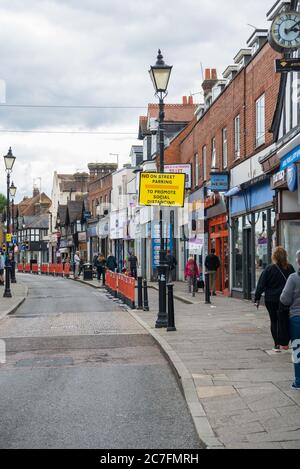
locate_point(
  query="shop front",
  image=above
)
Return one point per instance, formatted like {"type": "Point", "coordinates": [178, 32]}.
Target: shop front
{"type": "Point", "coordinates": [288, 198]}
{"type": "Point", "coordinates": [253, 234]}
{"type": "Point", "coordinates": [218, 237]}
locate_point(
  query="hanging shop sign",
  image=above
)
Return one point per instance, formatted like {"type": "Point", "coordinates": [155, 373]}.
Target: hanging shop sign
{"type": "Point", "coordinates": [181, 169]}
{"type": "Point", "coordinates": [162, 189]}
{"type": "Point", "coordinates": [287, 65]}
{"type": "Point", "coordinates": [279, 180]}
{"type": "Point", "coordinates": [212, 200]}
{"type": "Point", "coordinates": [292, 178]}
{"type": "Point", "coordinates": [196, 245]}
{"type": "Point", "coordinates": [291, 158]}
{"type": "Point", "coordinates": [219, 182]}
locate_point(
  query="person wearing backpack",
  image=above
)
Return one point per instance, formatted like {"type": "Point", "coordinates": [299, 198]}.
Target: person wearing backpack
{"type": "Point", "coordinates": [272, 282]}
{"type": "Point", "coordinates": [171, 263]}
{"type": "Point", "coordinates": [290, 297]}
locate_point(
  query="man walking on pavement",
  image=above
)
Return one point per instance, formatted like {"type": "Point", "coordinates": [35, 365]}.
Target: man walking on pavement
{"type": "Point", "coordinates": [77, 261]}
{"type": "Point", "coordinates": [133, 265]}
{"type": "Point", "coordinates": [172, 263]}
{"type": "Point", "coordinates": [212, 264]}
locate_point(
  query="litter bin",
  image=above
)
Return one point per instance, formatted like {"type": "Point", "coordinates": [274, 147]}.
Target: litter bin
{"type": "Point", "coordinates": [87, 272]}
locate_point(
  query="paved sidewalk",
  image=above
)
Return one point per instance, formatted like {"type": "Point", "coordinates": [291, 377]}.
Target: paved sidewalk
{"type": "Point", "coordinates": [223, 356]}
{"type": "Point", "coordinates": [9, 305]}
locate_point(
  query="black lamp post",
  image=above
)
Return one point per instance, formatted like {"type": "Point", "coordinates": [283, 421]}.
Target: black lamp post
{"type": "Point", "coordinates": [9, 161]}
{"type": "Point", "coordinates": [160, 75]}
{"type": "Point", "coordinates": [13, 191]}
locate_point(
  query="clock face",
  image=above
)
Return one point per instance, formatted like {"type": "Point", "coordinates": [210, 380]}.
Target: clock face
{"type": "Point", "coordinates": [285, 31]}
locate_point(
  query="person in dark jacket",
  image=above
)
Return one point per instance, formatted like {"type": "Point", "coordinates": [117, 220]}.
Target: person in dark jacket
{"type": "Point", "coordinates": [290, 297]}
{"type": "Point", "coordinates": [111, 263]}
{"type": "Point", "coordinates": [272, 282]}
{"type": "Point", "coordinates": [212, 264]}
{"type": "Point", "coordinates": [133, 265]}
{"type": "Point", "coordinates": [101, 266]}
{"type": "Point", "coordinates": [171, 263]}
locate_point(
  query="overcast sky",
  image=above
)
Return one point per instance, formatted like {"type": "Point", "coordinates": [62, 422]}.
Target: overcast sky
{"type": "Point", "coordinates": [97, 52]}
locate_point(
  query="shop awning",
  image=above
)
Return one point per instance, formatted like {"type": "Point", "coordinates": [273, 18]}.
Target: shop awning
{"type": "Point", "coordinates": [234, 191]}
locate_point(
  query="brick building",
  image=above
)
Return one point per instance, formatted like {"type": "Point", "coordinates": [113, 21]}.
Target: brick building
{"type": "Point", "coordinates": [99, 200]}
{"type": "Point", "coordinates": [224, 143]}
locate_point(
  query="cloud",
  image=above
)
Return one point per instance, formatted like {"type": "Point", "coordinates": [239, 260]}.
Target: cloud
{"type": "Point", "coordinates": [98, 53]}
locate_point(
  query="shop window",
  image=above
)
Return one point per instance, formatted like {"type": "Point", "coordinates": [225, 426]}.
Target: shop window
{"type": "Point", "coordinates": [225, 148]}
{"type": "Point", "coordinates": [290, 239]}
{"type": "Point", "coordinates": [237, 137]}
{"type": "Point", "coordinates": [261, 244]}
{"type": "Point", "coordinates": [213, 154]}
{"type": "Point", "coordinates": [204, 162]}
{"type": "Point", "coordinates": [260, 121]}
{"type": "Point", "coordinates": [238, 253]}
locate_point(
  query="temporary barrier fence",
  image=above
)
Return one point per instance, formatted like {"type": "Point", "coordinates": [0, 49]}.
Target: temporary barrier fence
{"type": "Point", "coordinates": [122, 287]}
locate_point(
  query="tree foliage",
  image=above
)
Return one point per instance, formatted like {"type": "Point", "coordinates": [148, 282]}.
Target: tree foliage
{"type": "Point", "coordinates": [2, 202]}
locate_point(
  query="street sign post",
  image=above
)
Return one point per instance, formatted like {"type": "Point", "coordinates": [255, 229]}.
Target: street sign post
{"type": "Point", "coordinates": [162, 189]}
{"type": "Point", "coordinates": [287, 65]}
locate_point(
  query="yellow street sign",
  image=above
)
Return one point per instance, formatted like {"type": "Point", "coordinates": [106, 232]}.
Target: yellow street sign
{"type": "Point", "coordinates": [162, 189]}
{"type": "Point", "coordinates": [8, 238]}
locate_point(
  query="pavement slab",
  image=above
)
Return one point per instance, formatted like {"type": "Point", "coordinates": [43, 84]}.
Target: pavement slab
{"type": "Point", "coordinates": [242, 389]}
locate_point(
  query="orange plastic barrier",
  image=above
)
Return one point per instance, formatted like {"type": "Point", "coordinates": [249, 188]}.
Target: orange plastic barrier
{"type": "Point", "coordinates": [44, 269]}
{"type": "Point", "coordinates": [59, 269]}
{"type": "Point", "coordinates": [20, 268]}
{"type": "Point", "coordinates": [67, 270]}
{"type": "Point", "coordinates": [35, 269]}
{"type": "Point", "coordinates": [122, 287]}
{"type": "Point", "coordinates": [51, 269]}
{"type": "Point", "coordinates": [27, 268]}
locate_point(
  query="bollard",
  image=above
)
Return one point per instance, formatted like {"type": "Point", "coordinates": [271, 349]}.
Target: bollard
{"type": "Point", "coordinates": [146, 300]}
{"type": "Point", "coordinates": [207, 290]}
{"type": "Point", "coordinates": [140, 293]}
{"type": "Point", "coordinates": [171, 313]}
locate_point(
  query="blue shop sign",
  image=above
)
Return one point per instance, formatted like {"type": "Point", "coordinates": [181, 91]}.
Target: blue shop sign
{"type": "Point", "coordinates": [219, 182]}
{"type": "Point", "coordinates": [292, 178]}
{"type": "Point", "coordinates": [291, 158]}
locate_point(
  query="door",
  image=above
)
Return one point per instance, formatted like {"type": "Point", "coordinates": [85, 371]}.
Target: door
{"type": "Point", "coordinates": [247, 263]}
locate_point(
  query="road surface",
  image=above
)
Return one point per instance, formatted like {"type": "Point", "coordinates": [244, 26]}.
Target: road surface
{"type": "Point", "coordinates": [81, 373]}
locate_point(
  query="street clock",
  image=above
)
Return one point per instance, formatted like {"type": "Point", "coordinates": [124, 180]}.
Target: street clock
{"type": "Point", "coordinates": [284, 34]}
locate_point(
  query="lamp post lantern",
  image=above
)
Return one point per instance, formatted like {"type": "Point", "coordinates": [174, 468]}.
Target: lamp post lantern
{"type": "Point", "coordinates": [9, 161]}
{"type": "Point", "coordinates": [13, 191]}
{"type": "Point", "coordinates": [160, 75]}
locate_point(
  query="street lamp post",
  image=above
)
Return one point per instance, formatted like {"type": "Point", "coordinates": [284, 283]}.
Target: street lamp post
{"type": "Point", "coordinates": [9, 161]}
{"type": "Point", "coordinates": [13, 191]}
{"type": "Point", "coordinates": [160, 75]}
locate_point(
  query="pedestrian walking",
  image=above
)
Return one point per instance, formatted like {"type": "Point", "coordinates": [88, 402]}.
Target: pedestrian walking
{"type": "Point", "coordinates": [2, 264]}
{"type": "Point", "coordinates": [212, 264]}
{"type": "Point", "coordinates": [111, 263]}
{"type": "Point", "coordinates": [272, 282]}
{"type": "Point", "coordinates": [191, 273]}
{"type": "Point", "coordinates": [171, 262]}
{"type": "Point", "coordinates": [77, 262]}
{"type": "Point", "coordinates": [133, 265]}
{"type": "Point", "coordinates": [290, 297]}
{"type": "Point", "coordinates": [101, 267]}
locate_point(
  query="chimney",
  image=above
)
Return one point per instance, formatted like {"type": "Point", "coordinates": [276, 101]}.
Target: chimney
{"type": "Point", "coordinates": [35, 191]}
{"type": "Point", "coordinates": [191, 101]}
{"type": "Point", "coordinates": [184, 100]}
{"type": "Point", "coordinates": [210, 81]}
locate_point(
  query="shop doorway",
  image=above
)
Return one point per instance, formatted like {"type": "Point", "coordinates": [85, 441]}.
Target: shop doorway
{"type": "Point", "coordinates": [247, 259]}
{"type": "Point", "coordinates": [219, 240]}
